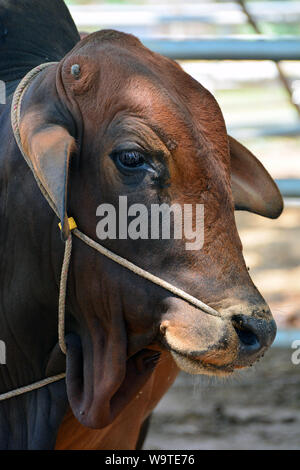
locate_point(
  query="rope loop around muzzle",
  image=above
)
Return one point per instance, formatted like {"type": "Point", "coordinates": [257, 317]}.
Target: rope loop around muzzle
{"type": "Point", "coordinates": [15, 119]}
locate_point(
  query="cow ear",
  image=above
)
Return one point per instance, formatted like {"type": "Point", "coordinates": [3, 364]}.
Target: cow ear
{"type": "Point", "coordinates": [253, 188]}
{"type": "Point", "coordinates": [49, 149]}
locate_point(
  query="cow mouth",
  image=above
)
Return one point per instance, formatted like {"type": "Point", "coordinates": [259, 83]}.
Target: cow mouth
{"type": "Point", "coordinates": [197, 366]}
{"type": "Point", "coordinates": [97, 395]}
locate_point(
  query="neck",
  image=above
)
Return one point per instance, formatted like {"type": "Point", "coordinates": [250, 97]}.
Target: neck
{"type": "Point", "coordinates": [30, 258]}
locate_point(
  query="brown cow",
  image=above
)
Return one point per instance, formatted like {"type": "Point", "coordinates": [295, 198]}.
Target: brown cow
{"type": "Point", "coordinates": [133, 123]}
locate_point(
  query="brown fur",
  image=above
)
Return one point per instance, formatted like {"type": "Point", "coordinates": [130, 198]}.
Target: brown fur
{"type": "Point", "coordinates": [123, 433]}
{"type": "Point", "coordinates": [125, 92]}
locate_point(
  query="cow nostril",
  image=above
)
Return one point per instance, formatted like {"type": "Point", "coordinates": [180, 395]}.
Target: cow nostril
{"type": "Point", "coordinates": [255, 336]}
{"type": "Point", "coordinates": [246, 336]}
{"type": "Point", "coordinates": [249, 340]}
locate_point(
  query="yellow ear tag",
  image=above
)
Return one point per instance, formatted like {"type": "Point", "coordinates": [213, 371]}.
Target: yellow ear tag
{"type": "Point", "coordinates": [72, 224]}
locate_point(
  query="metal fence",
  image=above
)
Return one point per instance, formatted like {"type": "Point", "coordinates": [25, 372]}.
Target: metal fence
{"type": "Point", "coordinates": [225, 48]}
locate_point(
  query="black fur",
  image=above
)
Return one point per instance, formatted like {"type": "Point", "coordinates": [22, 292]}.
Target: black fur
{"type": "Point", "coordinates": [32, 32]}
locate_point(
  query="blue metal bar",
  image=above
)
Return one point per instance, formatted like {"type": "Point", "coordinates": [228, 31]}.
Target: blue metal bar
{"type": "Point", "coordinates": [289, 187]}
{"type": "Point", "coordinates": [227, 48]}
{"type": "Point", "coordinates": [246, 131]}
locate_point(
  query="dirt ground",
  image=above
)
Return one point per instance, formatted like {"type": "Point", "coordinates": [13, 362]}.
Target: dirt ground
{"type": "Point", "coordinates": [272, 252]}
{"type": "Point", "coordinates": [259, 408]}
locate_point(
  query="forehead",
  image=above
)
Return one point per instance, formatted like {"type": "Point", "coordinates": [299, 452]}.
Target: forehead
{"type": "Point", "coordinates": [184, 115]}
{"type": "Point", "coordinates": [122, 75]}
{"type": "Point", "coordinates": [176, 107]}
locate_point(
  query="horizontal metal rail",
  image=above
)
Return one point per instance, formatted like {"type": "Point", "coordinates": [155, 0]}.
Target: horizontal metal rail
{"type": "Point", "coordinates": [249, 131]}
{"type": "Point", "coordinates": [262, 48]}
{"type": "Point", "coordinates": [289, 188]}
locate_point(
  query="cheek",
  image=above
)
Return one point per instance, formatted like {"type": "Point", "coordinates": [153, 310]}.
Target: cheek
{"type": "Point", "coordinates": [139, 304]}
{"type": "Point", "coordinates": [142, 319]}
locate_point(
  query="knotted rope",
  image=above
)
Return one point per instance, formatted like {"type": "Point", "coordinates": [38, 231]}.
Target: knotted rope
{"type": "Point", "coordinates": [15, 119]}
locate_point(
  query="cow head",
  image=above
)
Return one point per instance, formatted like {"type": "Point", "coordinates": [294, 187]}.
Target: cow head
{"type": "Point", "coordinates": [115, 119]}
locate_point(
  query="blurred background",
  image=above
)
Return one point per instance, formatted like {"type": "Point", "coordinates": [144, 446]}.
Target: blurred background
{"type": "Point", "coordinates": [247, 53]}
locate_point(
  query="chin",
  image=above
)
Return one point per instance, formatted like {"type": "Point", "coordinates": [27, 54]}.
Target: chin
{"type": "Point", "coordinates": [195, 366]}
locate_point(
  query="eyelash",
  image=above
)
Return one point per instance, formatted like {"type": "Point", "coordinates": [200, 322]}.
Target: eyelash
{"type": "Point", "coordinates": [131, 158]}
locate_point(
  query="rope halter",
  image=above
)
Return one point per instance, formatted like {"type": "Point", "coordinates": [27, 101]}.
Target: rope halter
{"type": "Point", "coordinates": [15, 120]}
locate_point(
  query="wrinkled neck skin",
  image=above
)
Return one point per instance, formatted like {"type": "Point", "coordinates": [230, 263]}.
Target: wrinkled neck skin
{"type": "Point", "coordinates": [30, 258]}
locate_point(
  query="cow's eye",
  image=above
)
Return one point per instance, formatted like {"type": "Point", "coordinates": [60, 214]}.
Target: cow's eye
{"type": "Point", "coordinates": [129, 159]}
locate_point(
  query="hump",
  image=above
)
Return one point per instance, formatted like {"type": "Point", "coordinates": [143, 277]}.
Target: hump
{"type": "Point", "coordinates": [32, 32]}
